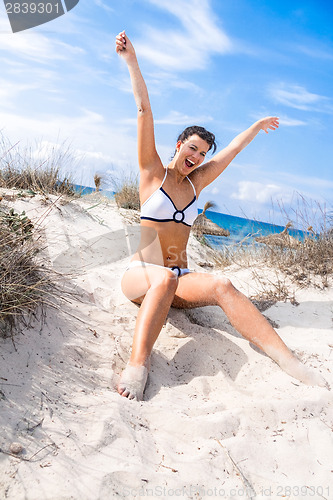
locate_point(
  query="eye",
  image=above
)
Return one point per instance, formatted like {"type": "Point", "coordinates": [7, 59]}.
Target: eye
{"type": "Point", "coordinates": [203, 154]}
{"type": "Point", "coordinates": [192, 147]}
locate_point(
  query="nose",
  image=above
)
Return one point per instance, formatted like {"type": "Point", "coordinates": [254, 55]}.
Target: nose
{"type": "Point", "coordinates": [198, 157]}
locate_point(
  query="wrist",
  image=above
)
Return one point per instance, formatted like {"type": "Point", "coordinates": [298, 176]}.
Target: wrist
{"type": "Point", "coordinates": [259, 122]}
{"type": "Point", "coordinates": [132, 61]}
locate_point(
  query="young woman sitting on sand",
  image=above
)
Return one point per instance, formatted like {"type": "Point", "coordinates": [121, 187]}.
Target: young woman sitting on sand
{"type": "Point", "coordinates": [157, 276]}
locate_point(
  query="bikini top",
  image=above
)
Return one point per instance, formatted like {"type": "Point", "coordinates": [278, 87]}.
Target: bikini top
{"type": "Point", "coordinates": [160, 207]}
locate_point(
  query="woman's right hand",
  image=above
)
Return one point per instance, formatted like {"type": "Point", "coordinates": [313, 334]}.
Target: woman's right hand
{"type": "Point", "coordinates": [124, 47]}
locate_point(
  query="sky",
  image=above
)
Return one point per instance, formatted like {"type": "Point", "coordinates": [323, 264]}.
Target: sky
{"type": "Point", "coordinates": [221, 64]}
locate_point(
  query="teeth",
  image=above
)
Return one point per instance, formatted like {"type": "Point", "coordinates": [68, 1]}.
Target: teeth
{"type": "Point", "coordinates": [192, 162]}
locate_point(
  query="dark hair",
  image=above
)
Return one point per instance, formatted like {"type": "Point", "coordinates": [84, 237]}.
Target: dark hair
{"type": "Point", "coordinates": [202, 133]}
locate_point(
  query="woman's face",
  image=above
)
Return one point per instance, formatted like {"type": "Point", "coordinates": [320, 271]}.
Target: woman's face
{"type": "Point", "coordinates": [191, 153]}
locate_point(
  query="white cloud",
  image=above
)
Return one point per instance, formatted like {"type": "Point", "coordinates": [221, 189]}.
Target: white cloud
{"type": "Point", "coordinates": [103, 5]}
{"type": "Point", "coordinates": [257, 192]}
{"type": "Point", "coordinates": [291, 122]}
{"type": "Point", "coordinates": [10, 90]}
{"type": "Point", "coordinates": [33, 46]}
{"type": "Point", "coordinates": [320, 184]}
{"type": "Point", "coordinates": [284, 120]}
{"type": "Point", "coordinates": [177, 118]}
{"type": "Point", "coordinates": [158, 81]}
{"type": "Point", "coordinates": [190, 46]}
{"type": "Point", "coordinates": [255, 196]}
{"type": "Point", "coordinates": [316, 53]}
{"type": "Point", "coordinates": [296, 96]}
{"type": "Point", "coordinates": [173, 118]}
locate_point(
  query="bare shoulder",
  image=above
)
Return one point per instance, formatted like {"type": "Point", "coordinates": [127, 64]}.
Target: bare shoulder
{"type": "Point", "coordinates": [150, 179]}
{"type": "Point", "coordinates": [152, 170]}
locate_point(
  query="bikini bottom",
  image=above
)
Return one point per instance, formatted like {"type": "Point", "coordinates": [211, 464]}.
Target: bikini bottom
{"type": "Point", "coordinates": [178, 271]}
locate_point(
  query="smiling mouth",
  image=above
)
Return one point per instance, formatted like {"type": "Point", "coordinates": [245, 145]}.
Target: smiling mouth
{"type": "Point", "coordinates": [189, 163]}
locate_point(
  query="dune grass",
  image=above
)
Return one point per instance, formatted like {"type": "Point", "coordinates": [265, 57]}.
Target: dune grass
{"type": "Point", "coordinates": [310, 263]}
{"type": "Point", "coordinates": [27, 285]}
{"type": "Point", "coordinates": [37, 170]}
{"type": "Point", "coordinates": [126, 188]}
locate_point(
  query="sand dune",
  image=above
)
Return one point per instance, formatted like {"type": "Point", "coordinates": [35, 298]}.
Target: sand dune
{"type": "Point", "coordinates": [219, 418]}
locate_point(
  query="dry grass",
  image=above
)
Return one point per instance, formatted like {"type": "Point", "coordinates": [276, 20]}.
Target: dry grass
{"type": "Point", "coordinates": [126, 187]}
{"type": "Point", "coordinates": [310, 263]}
{"type": "Point", "coordinates": [97, 181]}
{"type": "Point", "coordinates": [26, 284]}
{"type": "Point", "coordinates": [37, 170]}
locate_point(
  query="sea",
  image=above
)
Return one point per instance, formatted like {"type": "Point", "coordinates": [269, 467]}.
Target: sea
{"type": "Point", "coordinates": [243, 231]}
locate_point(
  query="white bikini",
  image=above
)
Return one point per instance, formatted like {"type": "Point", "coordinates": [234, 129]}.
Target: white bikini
{"type": "Point", "coordinates": [160, 207]}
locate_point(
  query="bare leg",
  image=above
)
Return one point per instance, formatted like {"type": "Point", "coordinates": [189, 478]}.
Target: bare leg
{"type": "Point", "coordinates": [203, 289]}
{"type": "Point", "coordinates": [154, 289]}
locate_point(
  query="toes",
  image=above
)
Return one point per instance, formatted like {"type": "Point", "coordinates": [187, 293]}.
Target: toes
{"type": "Point", "coordinates": [122, 390]}
{"type": "Point", "coordinates": [133, 381]}
{"type": "Point", "coordinates": [126, 393]}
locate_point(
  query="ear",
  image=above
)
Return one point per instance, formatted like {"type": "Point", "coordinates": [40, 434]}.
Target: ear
{"type": "Point", "coordinates": [178, 146]}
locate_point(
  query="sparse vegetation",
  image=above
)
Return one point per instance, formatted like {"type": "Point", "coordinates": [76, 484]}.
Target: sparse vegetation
{"type": "Point", "coordinates": [25, 283]}
{"type": "Point", "coordinates": [97, 181]}
{"type": "Point", "coordinates": [36, 170]}
{"type": "Point", "coordinates": [279, 268]}
{"type": "Point", "coordinates": [126, 187]}
{"type": "Point", "coordinates": [309, 263]}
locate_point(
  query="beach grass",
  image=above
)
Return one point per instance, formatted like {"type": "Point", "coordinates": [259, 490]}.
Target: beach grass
{"type": "Point", "coordinates": [36, 170]}
{"type": "Point", "coordinates": [26, 283]}
{"type": "Point", "coordinates": [126, 187]}
{"type": "Point", "coordinates": [310, 263]}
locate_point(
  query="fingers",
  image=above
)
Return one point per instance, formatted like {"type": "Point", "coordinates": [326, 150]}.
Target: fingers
{"type": "Point", "coordinates": [121, 42]}
{"type": "Point", "coordinates": [271, 123]}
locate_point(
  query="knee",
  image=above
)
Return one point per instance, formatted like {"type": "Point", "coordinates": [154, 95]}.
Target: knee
{"type": "Point", "coordinates": [168, 282]}
{"type": "Point", "coordinates": [223, 288]}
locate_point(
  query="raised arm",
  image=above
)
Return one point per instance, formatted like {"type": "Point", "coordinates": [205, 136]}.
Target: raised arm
{"type": "Point", "coordinates": [214, 167]}
{"type": "Point", "coordinates": [147, 154]}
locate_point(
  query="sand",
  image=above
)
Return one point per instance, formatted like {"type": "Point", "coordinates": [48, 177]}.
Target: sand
{"type": "Point", "coordinates": [219, 418]}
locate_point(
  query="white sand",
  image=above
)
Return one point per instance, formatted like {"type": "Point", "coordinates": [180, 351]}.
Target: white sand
{"type": "Point", "coordinates": [219, 419]}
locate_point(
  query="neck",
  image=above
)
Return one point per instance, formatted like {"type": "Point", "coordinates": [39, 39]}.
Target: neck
{"type": "Point", "coordinates": [172, 167]}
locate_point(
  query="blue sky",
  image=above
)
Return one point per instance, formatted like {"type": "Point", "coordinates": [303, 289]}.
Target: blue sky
{"type": "Point", "coordinates": [221, 64]}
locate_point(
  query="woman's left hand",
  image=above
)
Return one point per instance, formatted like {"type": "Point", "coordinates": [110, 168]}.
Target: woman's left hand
{"type": "Point", "coordinates": [269, 123]}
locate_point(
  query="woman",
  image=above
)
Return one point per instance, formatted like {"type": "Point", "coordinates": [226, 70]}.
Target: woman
{"type": "Point", "coordinates": [158, 277]}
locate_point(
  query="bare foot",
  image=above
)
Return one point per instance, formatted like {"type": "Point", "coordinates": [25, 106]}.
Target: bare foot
{"type": "Point", "coordinates": [133, 381]}
{"type": "Point", "coordinates": [296, 369]}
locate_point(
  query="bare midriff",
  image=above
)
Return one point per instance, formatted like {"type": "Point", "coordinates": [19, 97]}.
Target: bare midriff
{"type": "Point", "coordinates": [163, 243]}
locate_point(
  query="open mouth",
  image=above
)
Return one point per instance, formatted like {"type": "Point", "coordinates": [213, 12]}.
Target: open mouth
{"type": "Point", "coordinates": [189, 163]}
